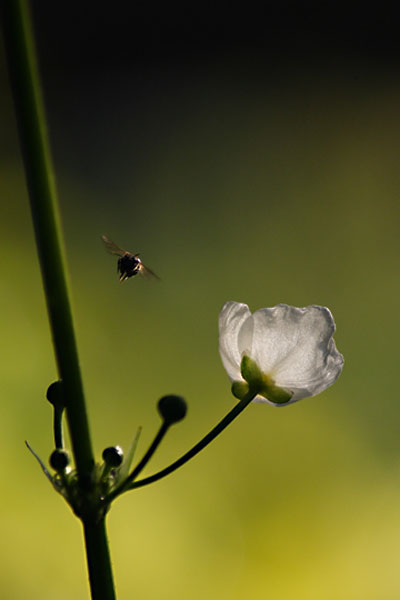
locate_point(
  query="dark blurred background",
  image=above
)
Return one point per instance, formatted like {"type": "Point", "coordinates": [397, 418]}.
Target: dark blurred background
{"type": "Point", "coordinates": [249, 154]}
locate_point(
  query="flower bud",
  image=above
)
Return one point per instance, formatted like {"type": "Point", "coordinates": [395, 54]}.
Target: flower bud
{"type": "Point", "coordinates": [172, 408]}
{"type": "Point", "coordinates": [55, 394]}
{"type": "Point", "coordinates": [113, 456]}
{"type": "Point", "coordinates": [59, 460]}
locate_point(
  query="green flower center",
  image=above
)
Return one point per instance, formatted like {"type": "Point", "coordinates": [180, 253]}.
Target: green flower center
{"type": "Point", "coordinates": [259, 383]}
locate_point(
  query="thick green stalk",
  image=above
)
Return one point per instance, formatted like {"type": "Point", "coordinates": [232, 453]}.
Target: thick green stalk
{"type": "Point", "coordinates": [42, 193]}
{"type": "Point", "coordinates": [43, 198]}
{"type": "Point", "coordinates": [98, 560]}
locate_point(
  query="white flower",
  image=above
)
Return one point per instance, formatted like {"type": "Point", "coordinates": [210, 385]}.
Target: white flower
{"type": "Point", "coordinates": [282, 353]}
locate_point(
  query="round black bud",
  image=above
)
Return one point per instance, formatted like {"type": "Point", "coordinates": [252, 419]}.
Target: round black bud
{"type": "Point", "coordinates": [113, 456]}
{"type": "Point", "coordinates": [59, 460]}
{"type": "Point", "coordinates": [172, 408]}
{"type": "Point", "coordinates": [55, 394]}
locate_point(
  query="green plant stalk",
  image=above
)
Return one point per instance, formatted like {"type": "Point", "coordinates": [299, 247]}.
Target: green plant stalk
{"type": "Point", "coordinates": [31, 121]}
{"type": "Point", "coordinates": [98, 560]}
{"type": "Point", "coordinates": [43, 199]}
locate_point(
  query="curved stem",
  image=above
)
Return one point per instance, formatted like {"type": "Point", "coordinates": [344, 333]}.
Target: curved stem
{"type": "Point", "coordinates": [153, 447]}
{"type": "Point", "coordinates": [200, 445]}
{"type": "Point", "coordinates": [31, 121]}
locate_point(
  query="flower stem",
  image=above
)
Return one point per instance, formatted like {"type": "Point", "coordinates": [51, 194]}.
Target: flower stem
{"type": "Point", "coordinates": [31, 121]}
{"type": "Point", "coordinates": [141, 464]}
{"type": "Point", "coordinates": [238, 408]}
{"type": "Point", "coordinates": [43, 198]}
{"type": "Point", "coordinates": [57, 427]}
{"type": "Point", "coordinates": [98, 560]}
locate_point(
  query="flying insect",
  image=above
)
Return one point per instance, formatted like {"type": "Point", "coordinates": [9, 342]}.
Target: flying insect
{"type": "Point", "coordinates": [128, 264]}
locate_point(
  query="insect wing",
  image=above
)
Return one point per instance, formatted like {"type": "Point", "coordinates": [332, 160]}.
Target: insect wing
{"type": "Point", "coordinates": [147, 273]}
{"type": "Point", "coordinates": [112, 247]}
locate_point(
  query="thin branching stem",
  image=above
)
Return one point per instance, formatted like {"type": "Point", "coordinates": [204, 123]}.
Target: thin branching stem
{"type": "Point", "coordinates": [142, 463]}
{"type": "Point", "coordinates": [237, 409]}
{"type": "Point", "coordinates": [57, 427]}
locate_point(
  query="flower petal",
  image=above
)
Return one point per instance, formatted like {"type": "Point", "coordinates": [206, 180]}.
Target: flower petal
{"type": "Point", "coordinates": [295, 346]}
{"type": "Point", "coordinates": [231, 319]}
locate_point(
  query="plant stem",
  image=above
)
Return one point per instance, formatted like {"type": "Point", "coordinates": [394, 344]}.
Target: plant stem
{"type": "Point", "coordinates": [98, 560]}
{"type": "Point", "coordinates": [236, 410]}
{"type": "Point", "coordinates": [43, 198]}
{"type": "Point", "coordinates": [57, 427]}
{"type": "Point", "coordinates": [31, 121]}
{"type": "Point", "coordinates": [142, 463]}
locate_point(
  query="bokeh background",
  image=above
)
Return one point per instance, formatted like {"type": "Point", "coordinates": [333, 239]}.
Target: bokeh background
{"type": "Point", "coordinates": [250, 157]}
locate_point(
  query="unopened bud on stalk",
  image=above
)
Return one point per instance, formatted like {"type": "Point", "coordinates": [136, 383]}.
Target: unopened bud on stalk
{"type": "Point", "coordinates": [59, 460]}
{"type": "Point", "coordinates": [172, 408]}
{"type": "Point", "coordinates": [55, 394]}
{"type": "Point", "coordinates": [113, 456]}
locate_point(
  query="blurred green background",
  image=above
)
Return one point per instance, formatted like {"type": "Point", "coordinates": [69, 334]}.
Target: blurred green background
{"type": "Point", "coordinates": [239, 174]}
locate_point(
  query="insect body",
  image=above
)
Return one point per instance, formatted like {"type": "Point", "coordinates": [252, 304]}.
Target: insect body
{"type": "Point", "coordinates": [128, 264]}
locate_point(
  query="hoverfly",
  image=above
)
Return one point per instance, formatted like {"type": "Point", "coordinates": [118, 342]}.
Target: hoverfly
{"type": "Point", "coordinates": [128, 264]}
